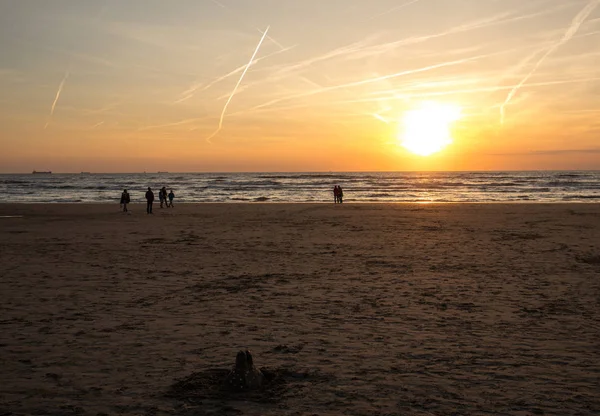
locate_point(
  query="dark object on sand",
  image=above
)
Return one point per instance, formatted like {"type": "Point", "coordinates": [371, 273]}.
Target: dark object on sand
{"type": "Point", "coordinates": [243, 382]}
{"type": "Point", "coordinates": [244, 376]}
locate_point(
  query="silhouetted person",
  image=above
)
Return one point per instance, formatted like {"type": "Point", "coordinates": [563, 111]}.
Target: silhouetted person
{"type": "Point", "coordinates": [340, 194]}
{"type": "Point", "coordinates": [161, 197]}
{"type": "Point", "coordinates": [335, 194]}
{"type": "Point", "coordinates": [125, 200]}
{"type": "Point", "coordinates": [171, 196]}
{"type": "Point", "coordinates": [149, 200]}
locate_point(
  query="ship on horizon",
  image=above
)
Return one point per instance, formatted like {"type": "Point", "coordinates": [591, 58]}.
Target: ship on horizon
{"type": "Point", "coordinates": [41, 172]}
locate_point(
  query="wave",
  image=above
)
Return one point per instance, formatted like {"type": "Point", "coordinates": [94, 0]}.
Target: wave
{"type": "Point", "coordinates": [315, 187]}
{"type": "Point", "coordinates": [382, 195]}
{"type": "Point", "coordinates": [571, 175]}
{"type": "Point", "coordinates": [575, 197]}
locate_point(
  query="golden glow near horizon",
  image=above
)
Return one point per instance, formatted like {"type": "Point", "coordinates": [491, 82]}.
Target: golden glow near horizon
{"type": "Point", "coordinates": [427, 127]}
{"type": "Point", "coordinates": [141, 85]}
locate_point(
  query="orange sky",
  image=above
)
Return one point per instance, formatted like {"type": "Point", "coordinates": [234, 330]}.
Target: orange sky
{"type": "Point", "coordinates": [144, 85]}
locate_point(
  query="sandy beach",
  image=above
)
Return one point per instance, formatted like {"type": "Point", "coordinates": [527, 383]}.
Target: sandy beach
{"type": "Point", "coordinates": [371, 309]}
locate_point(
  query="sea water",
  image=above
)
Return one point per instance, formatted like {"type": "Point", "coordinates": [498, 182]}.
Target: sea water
{"type": "Point", "coordinates": [529, 186]}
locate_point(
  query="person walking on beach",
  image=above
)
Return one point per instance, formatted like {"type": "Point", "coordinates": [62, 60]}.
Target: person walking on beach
{"type": "Point", "coordinates": [125, 200]}
{"type": "Point", "coordinates": [161, 197]}
{"type": "Point", "coordinates": [149, 200]}
{"type": "Point", "coordinates": [171, 196]}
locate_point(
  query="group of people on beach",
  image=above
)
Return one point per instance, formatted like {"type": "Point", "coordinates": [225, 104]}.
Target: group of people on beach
{"type": "Point", "coordinates": [164, 198]}
{"type": "Point", "coordinates": [167, 199]}
{"type": "Point", "coordinates": [338, 194]}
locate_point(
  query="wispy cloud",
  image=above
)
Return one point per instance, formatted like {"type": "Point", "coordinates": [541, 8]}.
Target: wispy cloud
{"type": "Point", "coordinates": [556, 152]}
{"type": "Point", "coordinates": [372, 80]}
{"type": "Point", "coordinates": [365, 48]}
{"type": "Point", "coordinates": [569, 33]}
{"type": "Point", "coordinates": [496, 20]}
{"type": "Point", "coordinates": [395, 95]}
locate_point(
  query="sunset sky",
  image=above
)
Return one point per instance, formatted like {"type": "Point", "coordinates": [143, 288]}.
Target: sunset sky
{"type": "Point", "coordinates": [141, 85]}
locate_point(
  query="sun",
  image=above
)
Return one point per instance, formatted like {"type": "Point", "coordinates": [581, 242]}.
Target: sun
{"type": "Point", "coordinates": [427, 127]}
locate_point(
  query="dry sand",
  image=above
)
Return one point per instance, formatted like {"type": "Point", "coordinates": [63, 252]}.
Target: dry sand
{"type": "Point", "coordinates": [371, 309]}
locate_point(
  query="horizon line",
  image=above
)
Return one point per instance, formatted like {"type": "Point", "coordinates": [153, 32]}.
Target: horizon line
{"type": "Point", "coordinates": [298, 172]}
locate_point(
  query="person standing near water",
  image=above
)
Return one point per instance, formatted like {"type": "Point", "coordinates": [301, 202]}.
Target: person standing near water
{"type": "Point", "coordinates": [125, 200]}
{"type": "Point", "coordinates": [149, 200]}
{"type": "Point", "coordinates": [171, 196]}
{"type": "Point", "coordinates": [161, 197]}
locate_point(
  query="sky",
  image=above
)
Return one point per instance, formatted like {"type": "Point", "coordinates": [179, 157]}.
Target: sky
{"type": "Point", "coordinates": [296, 85]}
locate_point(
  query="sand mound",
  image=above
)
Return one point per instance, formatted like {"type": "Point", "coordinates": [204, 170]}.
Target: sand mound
{"type": "Point", "coordinates": [210, 385]}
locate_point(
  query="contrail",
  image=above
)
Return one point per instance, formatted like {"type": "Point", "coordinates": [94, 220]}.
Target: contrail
{"type": "Point", "coordinates": [279, 45]}
{"type": "Point", "coordinates": [393, 9]}
{"type": "Point", "coordinates": [237, 85]}
{"type": "Point", "coordinates": [60, 88]}
{"type": "Point", "coordinates": [571, 31]}
{"type": "Point", "coordinates": [219, 4]}
{"type": "Point", "coordinates": [370, 80]}
{"type": "Point", "coordinates": [393, 94]}
{"type": "Point", "coordinates": [189, 93]}
{"type": "Point", "coordinates": [380, 118]}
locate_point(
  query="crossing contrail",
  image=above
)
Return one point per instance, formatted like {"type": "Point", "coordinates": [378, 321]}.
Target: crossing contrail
{"type": "Point", "coordinates": [369, 81]}
{"type": "Point", "coordinates": [60, 88]}
{"type": "Point", "coordinates": [237, 85]}
{"type": "Point", "coordinates": [570, 32]}
{"type": "Point", "coordinates": [189, 93]}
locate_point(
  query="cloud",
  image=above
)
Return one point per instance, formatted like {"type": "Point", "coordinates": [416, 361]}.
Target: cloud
{"type": "Point", "coordinates": [569, 33]}
{"type": "Point", "coordinates": [558, 152]}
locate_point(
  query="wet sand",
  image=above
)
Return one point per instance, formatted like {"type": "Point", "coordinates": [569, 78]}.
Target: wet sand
{"type": "Point", "coordinates": [399, 309]}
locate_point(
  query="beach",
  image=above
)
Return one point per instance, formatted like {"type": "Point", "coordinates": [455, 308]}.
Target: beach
{"type": "Point", "coordinates": [372, 309]}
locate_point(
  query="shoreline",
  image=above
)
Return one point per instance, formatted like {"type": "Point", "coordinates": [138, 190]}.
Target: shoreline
{"type": "Point", "coordinates": [138, 203]}
{"type": "Point", "coordinates": [18, 209]}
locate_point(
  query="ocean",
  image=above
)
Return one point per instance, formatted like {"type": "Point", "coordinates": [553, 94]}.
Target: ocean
{"type": "Point", "coordinates": [529, 186]}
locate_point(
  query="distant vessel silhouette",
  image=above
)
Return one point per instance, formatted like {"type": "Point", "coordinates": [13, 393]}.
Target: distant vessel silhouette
{"type": "Point", "coordinates": [41, 172]}
{"type": "Point", "coordinates": [160, 171]}
{"type": "Point", "coordinates": [84, 173]}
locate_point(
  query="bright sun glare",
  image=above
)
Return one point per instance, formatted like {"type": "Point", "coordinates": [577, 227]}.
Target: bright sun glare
{"type": "Point", "coordinates": [427, 128]}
